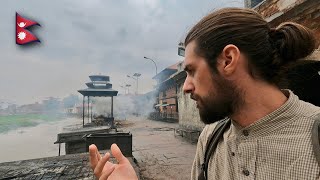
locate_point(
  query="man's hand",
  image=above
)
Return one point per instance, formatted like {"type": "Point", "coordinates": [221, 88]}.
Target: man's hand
{"type": "Point", "coordinates": [103, 169]}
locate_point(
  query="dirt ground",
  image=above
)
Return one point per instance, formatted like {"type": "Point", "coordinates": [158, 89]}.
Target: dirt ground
{"type": "Point", "coordinates": [159, 154]}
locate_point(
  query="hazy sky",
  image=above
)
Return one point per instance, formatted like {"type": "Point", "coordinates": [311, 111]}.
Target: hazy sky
{"type": "Point", "coordinates": [85, 37]}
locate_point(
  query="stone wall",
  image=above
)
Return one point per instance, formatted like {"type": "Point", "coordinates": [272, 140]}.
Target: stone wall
{"type": "Point", "coordinates": [188, 112]}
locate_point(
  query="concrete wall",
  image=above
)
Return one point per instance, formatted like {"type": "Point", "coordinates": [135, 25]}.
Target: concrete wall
{"type": "Point", "coordinates": [188, 113]}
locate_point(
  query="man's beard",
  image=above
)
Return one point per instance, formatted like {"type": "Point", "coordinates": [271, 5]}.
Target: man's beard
{"type": "Point", "coordinates": [219, 104]}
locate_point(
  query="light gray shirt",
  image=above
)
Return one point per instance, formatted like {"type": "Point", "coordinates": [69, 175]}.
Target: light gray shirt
{"type": "Point", "coordinates": [278, 146]}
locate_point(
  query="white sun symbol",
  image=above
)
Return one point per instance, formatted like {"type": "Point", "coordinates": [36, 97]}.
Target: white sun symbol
{"type": "Point", "coordinates": [22, 35]}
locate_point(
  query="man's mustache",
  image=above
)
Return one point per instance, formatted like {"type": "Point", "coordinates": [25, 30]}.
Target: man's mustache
{"type": "Point", "coordinates": [194, 97]}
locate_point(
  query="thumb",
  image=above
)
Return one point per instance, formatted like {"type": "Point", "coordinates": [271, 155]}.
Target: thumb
{"type": "Point", "coordinates": [116, 152]}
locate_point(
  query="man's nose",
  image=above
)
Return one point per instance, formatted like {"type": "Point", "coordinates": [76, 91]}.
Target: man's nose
{"type": "Point", "coordinates": [187, 86]}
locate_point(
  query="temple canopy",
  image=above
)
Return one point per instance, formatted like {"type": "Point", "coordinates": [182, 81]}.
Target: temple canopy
{"type": "Point", "coordinates": [98, 87]}
{"type": "Point", "coordinates": [98, 92]}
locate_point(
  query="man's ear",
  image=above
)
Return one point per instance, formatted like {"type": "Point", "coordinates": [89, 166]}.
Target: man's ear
{"type": "Point", "coordinates": [228, 59]}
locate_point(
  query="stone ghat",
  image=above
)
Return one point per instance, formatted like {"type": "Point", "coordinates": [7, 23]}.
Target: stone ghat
{"type": "Point", "coordinates": [73, 166]}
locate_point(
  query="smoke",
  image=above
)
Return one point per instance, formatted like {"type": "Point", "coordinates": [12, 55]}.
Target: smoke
{"type": "Point", "coordinates": [125, 105]}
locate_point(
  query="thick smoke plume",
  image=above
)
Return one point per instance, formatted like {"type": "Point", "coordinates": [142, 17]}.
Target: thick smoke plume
{"type": "Point", "coordinates": [124, 105]}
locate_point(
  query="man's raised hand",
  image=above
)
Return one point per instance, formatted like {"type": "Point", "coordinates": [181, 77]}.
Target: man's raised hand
{"type": "Point", "coordinates": [103, 169]}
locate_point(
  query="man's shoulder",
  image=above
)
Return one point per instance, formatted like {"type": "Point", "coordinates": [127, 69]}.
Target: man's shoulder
{"type": "Point", "coordinates": [308, 110]}
{"type": "Point", "coordinates": [207, 131]}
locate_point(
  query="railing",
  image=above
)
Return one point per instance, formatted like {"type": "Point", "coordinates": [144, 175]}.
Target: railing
{"type": "Point", "coordinates": [164, 116]}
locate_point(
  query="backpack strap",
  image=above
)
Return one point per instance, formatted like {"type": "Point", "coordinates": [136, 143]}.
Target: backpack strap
{"type": "Point", "coordinates": [315, 138]}
{"type": "Point", "coordinates": [212, 145]}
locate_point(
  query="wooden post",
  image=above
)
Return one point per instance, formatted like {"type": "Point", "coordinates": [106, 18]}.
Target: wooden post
{"type": "Point", "coordinates": [59, 148]}
{"type": "Point", "coordinates": [91, 112]}
{"type": "Point", "coordinates": [88, 109]}
{"type": "Point", "coordinates": [112, 106]}
{"type": "Point", "coordinates": [176, 99]}
{"type": "Point", "coordinates": [83, 112]}
{"type": "Point", "coordinates": [112, 123]}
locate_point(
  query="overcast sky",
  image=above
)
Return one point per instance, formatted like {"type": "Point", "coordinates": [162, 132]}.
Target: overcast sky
{"type": "Point", "coordinates": [85, 37]}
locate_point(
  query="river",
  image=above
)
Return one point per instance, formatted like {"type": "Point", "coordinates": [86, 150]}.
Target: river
{"type": "Point", "coordinates": [33, 142]}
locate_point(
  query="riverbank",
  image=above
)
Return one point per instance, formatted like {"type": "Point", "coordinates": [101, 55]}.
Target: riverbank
{"type": "Point", "coordinates": [13, 122]}
{"type": "Point", "coordinates": [33, 142]}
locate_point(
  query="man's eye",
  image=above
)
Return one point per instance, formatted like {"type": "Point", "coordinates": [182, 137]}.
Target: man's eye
{"type": "Point", "coordinates": [191, 72]}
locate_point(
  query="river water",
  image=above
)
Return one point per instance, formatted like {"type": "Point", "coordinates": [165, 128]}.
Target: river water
{"type": "Point", "coordinates": [33, 142]}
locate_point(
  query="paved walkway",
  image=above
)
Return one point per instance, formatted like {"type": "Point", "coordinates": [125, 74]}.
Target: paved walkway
{"type": "Point", "coordinates": [160, 155]}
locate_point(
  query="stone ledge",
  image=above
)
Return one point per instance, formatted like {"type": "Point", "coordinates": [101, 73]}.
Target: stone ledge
{"type": "Point", "coordinates": [74, 166]}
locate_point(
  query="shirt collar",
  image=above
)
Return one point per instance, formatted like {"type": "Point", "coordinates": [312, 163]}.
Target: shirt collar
{"type": "Point", "coordinates": [276, 119]}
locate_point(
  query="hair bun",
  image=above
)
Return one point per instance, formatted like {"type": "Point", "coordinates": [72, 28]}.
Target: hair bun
{"type": "Point", "coordinates": [292, 41]}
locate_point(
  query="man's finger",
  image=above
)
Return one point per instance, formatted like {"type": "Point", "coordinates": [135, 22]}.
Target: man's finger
{"type": "Point", "coordinates": [107, 172]}
{"type": "Point", "coordinates": [100, 165]}
{"type": "Point", "coordinates": [93, 150]}
{"type": "Point", "coordinates": [116, 152]}
{"type": "Point", "coordinates": [98, 155]}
